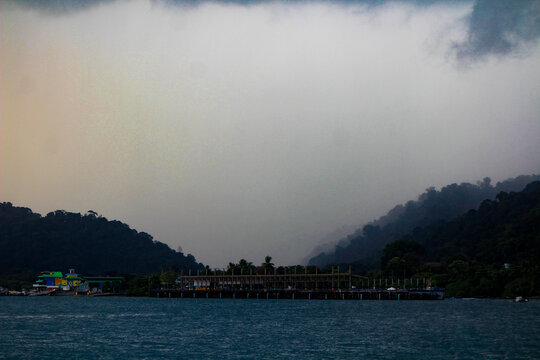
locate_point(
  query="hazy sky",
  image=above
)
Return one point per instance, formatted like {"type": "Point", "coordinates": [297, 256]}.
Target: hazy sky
{"type": "Point", "coordinates": [237, 130]}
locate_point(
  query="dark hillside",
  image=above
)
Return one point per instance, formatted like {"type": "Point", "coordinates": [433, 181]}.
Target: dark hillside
{"type": "Point", "coordinates": [364, 246]}
{"type": "Point", "coordinates": [491, 251]}
{"type": "Point", "coordinates": [90, 243]}
{"type": "Point", "coordinates": [505, 230]}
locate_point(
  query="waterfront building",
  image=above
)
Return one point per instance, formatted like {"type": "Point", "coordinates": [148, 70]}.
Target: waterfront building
{"type": "Point", "coordinates": [74, 282]}
{"type": "Point", "coordinates": [97, 283]}
{"type": "Point", "coordinates": [71, 280]}
{"type": "Point", "coordinates": [49, 280]}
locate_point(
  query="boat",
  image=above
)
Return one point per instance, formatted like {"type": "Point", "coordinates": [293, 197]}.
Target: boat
{"type": "Point", "coordinates": [520, 299]}
{"type": "Point", "coordinates": [42, 292]}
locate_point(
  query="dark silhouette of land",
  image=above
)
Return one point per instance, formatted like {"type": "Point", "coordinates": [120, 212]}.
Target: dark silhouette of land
{"type": "Point", "coordinates": [30, 243]}
{"type": "Point", "coordinates": [364, 246]}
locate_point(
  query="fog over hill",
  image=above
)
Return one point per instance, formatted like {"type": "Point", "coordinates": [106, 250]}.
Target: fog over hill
{"type": "Point", "coordinates": [364, 244]}
{"type": "Point", "coordinates": [240, 129]}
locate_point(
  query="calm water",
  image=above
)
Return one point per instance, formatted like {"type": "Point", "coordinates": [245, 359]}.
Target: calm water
{"type": "Point", "coordinates": [87, 328]}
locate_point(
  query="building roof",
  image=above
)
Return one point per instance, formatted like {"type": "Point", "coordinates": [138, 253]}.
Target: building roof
{"type": "Point", "coordinates": [51, 274]}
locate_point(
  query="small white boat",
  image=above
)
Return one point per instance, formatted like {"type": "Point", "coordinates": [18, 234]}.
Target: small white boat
{"type": "Point", "coordinates": [520, 299]}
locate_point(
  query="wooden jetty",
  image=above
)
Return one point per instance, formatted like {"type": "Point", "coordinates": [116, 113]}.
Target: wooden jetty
{"type": "Point", "coordinates": [294, 294]}
{"type": "Point", "coordinates": [274, 281]}
{"type": "Point", "coordinates": [332, 286]}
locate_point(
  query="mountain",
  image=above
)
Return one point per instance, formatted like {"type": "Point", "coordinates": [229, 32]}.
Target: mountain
{"type": "Point", "coordinates": [504, 230]}
{"type": "Point", "coordinates": [491, 251]}
{"type": "Point", "coordinates": [90, 243]}
{"type": "Point", "coordinates": [328, 242]}
{"type": "Point", "coordinates": [365, 244]}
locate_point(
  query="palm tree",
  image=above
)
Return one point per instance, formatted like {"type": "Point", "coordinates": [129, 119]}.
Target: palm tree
{"type": "Point", "coordinates": [245, 266]}
{"type": "Point", "coordinates": [231, 267]}
{"type": "Point", "coordinates": [267, 265]}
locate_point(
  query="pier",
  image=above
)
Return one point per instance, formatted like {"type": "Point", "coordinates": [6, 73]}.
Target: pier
{"type": "Point", "coordinates": [264, 281]}
{"type": "Point", "coordinates": [332, 286]}
{"type": "Point", "coordinates": [281, 294]}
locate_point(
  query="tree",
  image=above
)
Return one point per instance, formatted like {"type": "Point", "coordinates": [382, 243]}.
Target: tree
{"type": "Point", "coordinates": [406, 249]}
{"type": "Point", "coordinates": [168, 278]}
{"type": "Point", "coordinates": [396, 266]}
{"type": "Point", "coordinates": [243, 267]}
{"type": "Point", "coordinates": [268, 265]}
{"type": "Point", "coordinates": [246, 267]}
{"type": "Point", "coordinates": [231, 268]}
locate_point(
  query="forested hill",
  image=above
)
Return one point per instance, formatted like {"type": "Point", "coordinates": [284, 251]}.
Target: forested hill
{"type": "Point", "coordinates": [492, 251]}
{"type": "Point", "coordinates": [364, 245]}
{"type": "Point", "coordinates": [504, 230]}
{"type": "Point", "coordinates": [89, 243]}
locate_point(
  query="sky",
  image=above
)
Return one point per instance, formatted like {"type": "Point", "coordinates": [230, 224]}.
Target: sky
{"type": "Point", "coordinates": [237, 130]}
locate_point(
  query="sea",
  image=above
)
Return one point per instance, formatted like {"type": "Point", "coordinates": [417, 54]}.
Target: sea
{"type": "Point", "coordinates": [163, 328]}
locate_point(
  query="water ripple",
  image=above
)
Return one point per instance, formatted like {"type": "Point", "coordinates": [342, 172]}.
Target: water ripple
{"type": "Point", "coordinates": [143, 328]}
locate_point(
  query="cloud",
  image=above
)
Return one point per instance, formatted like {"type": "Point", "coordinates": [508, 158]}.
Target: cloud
{"type": "Point", "coordinates": [241, 131]}
{"type": "Point", "coordinates": [493, 28]}
{"type": "Point", "coordinates": [500, 28]}
{"type": "Point", "coordinates": [55, 7]}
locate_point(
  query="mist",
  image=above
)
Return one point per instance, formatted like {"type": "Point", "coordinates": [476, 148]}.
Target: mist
{"type": "Point", "coordinates": [244, 130]}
